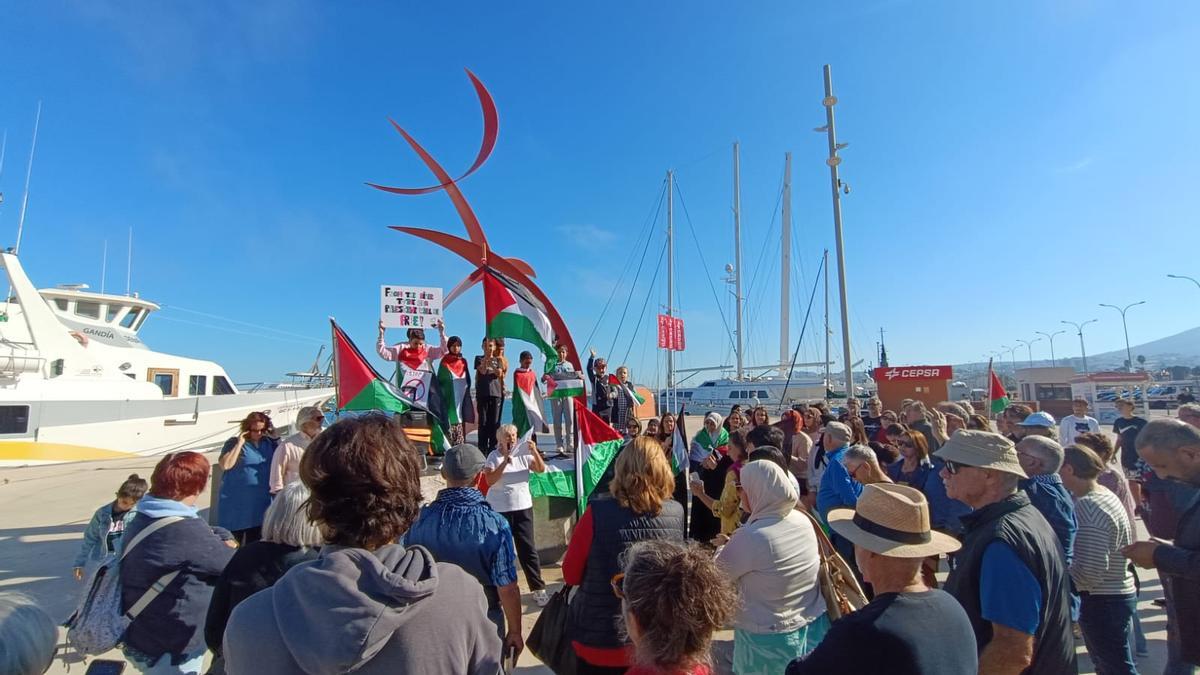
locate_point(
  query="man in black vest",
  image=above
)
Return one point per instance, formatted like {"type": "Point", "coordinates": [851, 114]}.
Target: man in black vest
{"type": "Point", "coordinates": [1172, 449]}
{"type": "Point", "coordinates": [602, 391]}
{"type": "Point", "coordinates": [1010, 575]}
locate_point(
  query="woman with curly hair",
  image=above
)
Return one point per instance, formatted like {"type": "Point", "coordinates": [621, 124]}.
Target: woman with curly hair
{"type": "Point", "coordinates": [366, 604]}
{"type": "Point", "coordinates": [246, 478]}
{"type": "Point", "coordinates": [638, 507]}
{"type": "Point", "coordinates": [673, 599]}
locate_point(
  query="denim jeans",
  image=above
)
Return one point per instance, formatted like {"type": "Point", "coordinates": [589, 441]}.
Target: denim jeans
{"type": "Point", "coordinates": [162, 665]}
{"type": "Point", "coordinates": [1106, 621]}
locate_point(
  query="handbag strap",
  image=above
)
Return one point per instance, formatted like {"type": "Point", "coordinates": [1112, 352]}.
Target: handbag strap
{"type": "Point", "coordinates": [150, 529]}
{"type": "Point", "coordinates": [165, 580]}
{"type": "Point", "coordinates": [823, 542]}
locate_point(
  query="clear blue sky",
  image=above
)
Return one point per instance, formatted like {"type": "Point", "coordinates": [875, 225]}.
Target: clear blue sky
{"type": "Point", "coordinates": [1012, 164]}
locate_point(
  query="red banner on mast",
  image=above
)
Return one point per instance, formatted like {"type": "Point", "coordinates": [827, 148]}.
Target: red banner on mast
{"type": "Point", "coordinates": [670, 333]}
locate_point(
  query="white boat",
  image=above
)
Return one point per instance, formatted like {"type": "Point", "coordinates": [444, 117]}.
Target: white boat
{"type": "Point", "coordinates": [77, 383]}
{"type": "Point", "coordinates": [773, 392]}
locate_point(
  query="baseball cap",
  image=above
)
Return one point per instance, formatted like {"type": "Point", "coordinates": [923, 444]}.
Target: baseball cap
{"type": "Point", "coordinates": [982, 449]}
{"type": "Point", "coordinates": [462, 462]}
{"type": "Point", "coordinates": [1038, 419]}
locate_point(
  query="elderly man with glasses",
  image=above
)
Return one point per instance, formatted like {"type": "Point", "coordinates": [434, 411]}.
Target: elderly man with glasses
{"type": "Point", "coordinates": [1010, 575]}
{"type": "Point", "coordinates": [1041, 458]}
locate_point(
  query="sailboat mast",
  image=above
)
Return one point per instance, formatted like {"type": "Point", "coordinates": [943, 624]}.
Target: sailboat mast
{"type": "Point", "coordinates": [737, 251]}
{"type": "Point", "coordinates": [833, 161]}
{"type": "Point", "coordinates": [785, 264]}
{"type": "Point", "coordinates": [670, 278]}
{"type": "Point", "coordinates": [37, 122]}
{"type": "Point", "coordinates": [826, 266]}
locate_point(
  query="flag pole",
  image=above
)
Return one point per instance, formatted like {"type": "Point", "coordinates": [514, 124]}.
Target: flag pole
{"type": "Point", "coordinates": [989, 389]}
{"type": "Point", "coordinates": [337, 404]}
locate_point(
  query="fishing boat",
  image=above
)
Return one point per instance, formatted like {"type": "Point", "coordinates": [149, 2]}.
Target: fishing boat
{"type": "Point", "coordinates": [78, 383]}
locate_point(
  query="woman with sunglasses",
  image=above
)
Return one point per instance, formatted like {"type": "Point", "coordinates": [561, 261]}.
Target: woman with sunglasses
{"type": "Point", "coordinates": [246, 478]}
{"type": "Point", "coordinates": [638, 507]}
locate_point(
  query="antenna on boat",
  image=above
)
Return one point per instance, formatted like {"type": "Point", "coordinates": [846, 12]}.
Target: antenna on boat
{"type": "Point", "coordinates": [37, 120]}
{"type": "Point", "coordinates": [129, 264]}
{"type": "Point", "coordinates": [103, 266]}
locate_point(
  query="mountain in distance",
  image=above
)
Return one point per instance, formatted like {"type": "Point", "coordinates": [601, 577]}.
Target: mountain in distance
{"type": "Point", "coordinates": [1181, 349]}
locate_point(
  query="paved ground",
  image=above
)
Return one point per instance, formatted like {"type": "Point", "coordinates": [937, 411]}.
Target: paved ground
{"type": "Point", "coordinates": [46, 508]}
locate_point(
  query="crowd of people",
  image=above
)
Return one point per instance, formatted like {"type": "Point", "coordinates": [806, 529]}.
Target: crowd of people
{"type": "Point", "coordinates": [324, 558]}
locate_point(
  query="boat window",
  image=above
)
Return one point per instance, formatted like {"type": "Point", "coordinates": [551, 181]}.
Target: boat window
{"type": "Point", "coordinates": [142, 320]}
{"type": "Point", "coordinates": [687, 394]}
{"type": "Point", "coordinates": [128, 319]}
{"type": "Point", "coordinates": [221, 386]}
{"type": "Point", "coordinates": [762, 394]}
{"type": "Point", "coordinates": [87, 309]}
{"type": "Point", "coordinates": [14, 419]}
{"type": "Point", "coordinates": [166, 379]}
{"type": "Point", "coordinates": [197, 385]}
{"type": "Point", "coordinates": [707, 384]}
{"type": "Point", "coordinates": [110, 312]}
{"type": "Point", "coordinates": [61, 303]}
{"type": "Point", "coordinates": [735, 394]}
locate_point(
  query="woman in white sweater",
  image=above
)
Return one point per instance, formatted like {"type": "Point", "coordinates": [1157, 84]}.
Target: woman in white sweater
{"type": "Point", "coordinates": [773, 561]}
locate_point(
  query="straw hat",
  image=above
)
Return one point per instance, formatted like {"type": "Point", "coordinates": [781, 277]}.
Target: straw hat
{"type": "Point", "coordinates": [892, 520]}
{"type": "Point", "coordinates": [982, 449]}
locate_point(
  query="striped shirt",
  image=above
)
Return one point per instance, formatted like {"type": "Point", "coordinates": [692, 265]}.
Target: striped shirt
{"type": "Point", "coordinates": [1098, 566]}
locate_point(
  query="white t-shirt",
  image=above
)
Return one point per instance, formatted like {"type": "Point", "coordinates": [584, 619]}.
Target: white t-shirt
{"type": "Point", "coordinates": [1071, 426]}
{"type": "Point", "coordinates": [511, 493]}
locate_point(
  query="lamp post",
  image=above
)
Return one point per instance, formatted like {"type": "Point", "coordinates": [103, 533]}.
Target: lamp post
{"type": "Point", "coordinates": [1012, 354]}
{"type": "Point", "coordinates": [1125, 327]}
{"type": "Point", "coordinates": [1029, 346]}
{"type": "Point", "coordinates": [1181, 276]}
{"type": "Point", "coordinates": [1082, 351]}
{"type": "Point", "coordinates": [1050, 337]}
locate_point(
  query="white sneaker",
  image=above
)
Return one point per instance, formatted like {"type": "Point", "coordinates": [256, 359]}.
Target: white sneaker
{"type": "Point", "coordinates": [541, 598]}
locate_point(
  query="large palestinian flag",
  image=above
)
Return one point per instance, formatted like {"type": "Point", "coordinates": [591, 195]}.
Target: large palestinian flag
{"type": "Point", "coordinates": [360, 387]}
{"type": "Point", "coordinates": [511, 315]}
{"type": "Point", "coordinates": [996, 393]}
{"type": "Point", "coordinates": [566, 385]}
{"type": "Point", "coordinates": [527, 411]}
{"type": "Point", "coordinates": [598, 447]}
{"type": "Point", "coordinates": [454, 381]}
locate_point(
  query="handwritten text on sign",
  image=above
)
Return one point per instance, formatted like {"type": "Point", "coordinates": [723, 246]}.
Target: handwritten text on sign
{"type": "Point", "coordinates": [410, 306]}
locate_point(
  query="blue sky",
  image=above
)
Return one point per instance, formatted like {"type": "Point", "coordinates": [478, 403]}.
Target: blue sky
{"type": "Point", "coordinates": [1012, 164]}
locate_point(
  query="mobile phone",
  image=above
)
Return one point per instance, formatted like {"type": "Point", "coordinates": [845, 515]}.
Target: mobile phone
{"type": "Point", "coordinates": [510, 659]}
{"type": "Point", "coordinates": [105, 667]}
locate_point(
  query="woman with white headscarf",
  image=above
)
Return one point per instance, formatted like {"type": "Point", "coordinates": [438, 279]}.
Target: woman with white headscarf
{"type": "Point", "coordinates": [708, 457]}
{"type": "Point", "coordinates": [773, 560]}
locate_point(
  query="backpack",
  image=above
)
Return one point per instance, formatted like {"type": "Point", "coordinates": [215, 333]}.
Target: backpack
{"type": "Point", "coordinates": [98, 625]}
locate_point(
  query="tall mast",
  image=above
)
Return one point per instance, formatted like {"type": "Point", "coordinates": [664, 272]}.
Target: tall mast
{"type": "Point", "coordinates": [37, 121]}
{"type": "Point", "coordinates": [833, 160]}
{"type": "Point", "coordinates": [670, 275]}
{"type": "Point", "coordinates": [737, 251]}
{"type": "Point", "coordinates": [826, 266]}
{"type": "Point", "coordinates": [785, 264]}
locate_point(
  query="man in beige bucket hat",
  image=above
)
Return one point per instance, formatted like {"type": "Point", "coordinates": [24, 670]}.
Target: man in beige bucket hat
{"type": "Point", "coordinates": [908, 627]}
{"type": "Point", "coordinates": [1010, 574]}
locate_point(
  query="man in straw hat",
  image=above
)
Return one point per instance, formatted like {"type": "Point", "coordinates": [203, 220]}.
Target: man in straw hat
{"type": "Point", "coordinates": [908, 629]}
{"type": "Point", "coordinates": [1010, 574]}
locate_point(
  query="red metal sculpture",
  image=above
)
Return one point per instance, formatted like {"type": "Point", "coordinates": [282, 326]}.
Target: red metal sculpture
{"type": "Point", "coordinates": [475, 249]}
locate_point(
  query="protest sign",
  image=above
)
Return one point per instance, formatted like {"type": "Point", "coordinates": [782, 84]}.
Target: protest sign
{"type": "Point", "coordinates": [410, 306]}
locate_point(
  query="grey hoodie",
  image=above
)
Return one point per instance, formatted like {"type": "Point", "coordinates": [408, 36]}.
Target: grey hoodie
{"type": "Point", "coordinates": [394, 610]}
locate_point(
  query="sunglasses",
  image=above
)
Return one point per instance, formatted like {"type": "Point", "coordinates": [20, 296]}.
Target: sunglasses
{"type": "Point", "coordinates": [952, 467]}
{"type": "Point", "coordinates": [618, 585]}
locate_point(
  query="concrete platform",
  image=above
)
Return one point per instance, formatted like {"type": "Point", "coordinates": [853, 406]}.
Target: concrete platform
{"type": "Point", "coordinates": [44, 509]}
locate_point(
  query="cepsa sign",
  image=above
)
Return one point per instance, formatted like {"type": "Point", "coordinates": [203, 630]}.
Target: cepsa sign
{"type": "Point", "coordinates": [892, 374]}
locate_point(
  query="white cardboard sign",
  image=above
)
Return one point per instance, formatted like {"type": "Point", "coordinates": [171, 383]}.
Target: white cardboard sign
{"type": "Point", "coordinates": [410, 306]}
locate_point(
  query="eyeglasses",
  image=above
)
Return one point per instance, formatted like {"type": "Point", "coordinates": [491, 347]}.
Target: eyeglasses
{"type": "Point", "coordinates": [953, 468]}
{"type": "Point", "coordinates": [618, 585]}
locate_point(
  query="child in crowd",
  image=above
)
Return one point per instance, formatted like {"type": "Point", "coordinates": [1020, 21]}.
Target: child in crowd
{"type": "Point", "coordinates": [103, 533]}
{"type": "Point", "coordinates": [1079, 422]}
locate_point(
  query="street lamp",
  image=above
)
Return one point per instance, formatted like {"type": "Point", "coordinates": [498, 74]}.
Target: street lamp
{"type": "Point", "coordinates": [1050, 337]}
{"type": "Point", "coordinates": [1082, 351]}
{"type": "Point", "coordinates": [1122, 310]}
{"type": "Point", "coordinates": [1029, 346]}
{"type": "Point", "coordinates": [1181, 276]}
{"type": "Point", "coordinates": [1012, 354]}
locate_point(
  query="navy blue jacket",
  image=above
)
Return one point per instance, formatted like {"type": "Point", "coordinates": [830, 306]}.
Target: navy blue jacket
{"type": "Point", "coordinates": [173, 622]}
{"type": "Point", "coordinates": [1050, 497]}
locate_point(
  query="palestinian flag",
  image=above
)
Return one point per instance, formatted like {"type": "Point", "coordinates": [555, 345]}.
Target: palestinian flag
{"type": "Point", "coordinates": [679, 445]}
{"type": "Point", "coordinates": [627, 388]}
{"type": "Point", "coordinates": [510, 315]}
{"type": "Point", "coordinates": [996, 394]}
{"type": "Point", "coordinates": [598, 446]}
{"type": "Point", "coordinates": [454, 381]}
{"type": "Point", "coordinates": [569, 386]}
{"type": "Point", "coordinates": [359, 387]}
{"type": "Point", "coordinates": [527, 412]}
